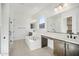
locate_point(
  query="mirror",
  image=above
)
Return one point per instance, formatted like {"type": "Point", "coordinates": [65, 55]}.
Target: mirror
{"type": "Point", "coordinates": [59, 24]}
{"type": "Point", "coordinates": [42, 22]}
{"type": "Point", "coordinates": [53, 24]}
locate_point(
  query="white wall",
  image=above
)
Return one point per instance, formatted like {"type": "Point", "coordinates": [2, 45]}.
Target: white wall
{"type": "Point", "coordinates": [0, 28]}
{"type": "Point", "coordinates": [77, 20]}
{"type": "Point", "coordinates": [20, 28]}
{"type": "Point", "coordinates": [21, 24]}
{"type": "Point", "coordinates": [5, 30]}
{"type": "Point", "coordinates": [77, 25]}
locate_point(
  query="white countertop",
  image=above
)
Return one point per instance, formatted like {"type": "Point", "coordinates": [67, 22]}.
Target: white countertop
{"type": "Point", "coordinates": [62, 36]}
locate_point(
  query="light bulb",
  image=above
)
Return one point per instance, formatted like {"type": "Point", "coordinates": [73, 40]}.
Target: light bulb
{"type": "Point", "coordinates": [60, 7]}
{"type": "Point", "coordinates": [55, 9]}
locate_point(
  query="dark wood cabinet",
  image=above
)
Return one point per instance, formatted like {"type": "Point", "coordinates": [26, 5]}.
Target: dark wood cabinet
{"type": "Point", "coordinates": [59, 48]}
{"type": "Point", "coordinates": [62, 48]}
{"type": "Point", "coordinates": [72, 49]}
{"type": "Point", "coordinates": [44, 41]}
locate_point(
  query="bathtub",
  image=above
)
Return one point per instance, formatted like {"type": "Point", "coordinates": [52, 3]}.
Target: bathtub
{"type": "Point", "coordinates": [33, 42]}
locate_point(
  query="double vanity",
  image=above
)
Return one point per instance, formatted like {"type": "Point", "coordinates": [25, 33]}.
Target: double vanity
{"type": "Point", "coordinates": [64, 44]}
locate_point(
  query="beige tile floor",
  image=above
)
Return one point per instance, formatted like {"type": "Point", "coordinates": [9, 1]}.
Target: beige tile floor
{"type": "Point", "coordinates": [21, 49]}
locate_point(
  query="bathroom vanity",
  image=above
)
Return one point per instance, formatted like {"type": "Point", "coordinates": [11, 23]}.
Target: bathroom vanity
{"type": "Point", "coordinates": [62, 48]}
{"type": "Point", "coordinates": [63, 45]}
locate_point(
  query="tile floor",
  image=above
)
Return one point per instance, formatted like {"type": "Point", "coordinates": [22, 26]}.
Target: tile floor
{"type": "Point", "coordinates": [21, 49]}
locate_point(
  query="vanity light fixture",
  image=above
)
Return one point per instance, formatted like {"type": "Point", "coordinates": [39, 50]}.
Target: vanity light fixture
{"type": "Point", "coordinates": [60, 7]}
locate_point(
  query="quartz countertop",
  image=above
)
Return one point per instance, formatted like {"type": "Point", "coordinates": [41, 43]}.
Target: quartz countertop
{"type": "Point", "coordinates": [62, 36]}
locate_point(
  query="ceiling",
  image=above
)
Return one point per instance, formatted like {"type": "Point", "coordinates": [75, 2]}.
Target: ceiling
{"type": "Point", "coordinates": [33, 10]}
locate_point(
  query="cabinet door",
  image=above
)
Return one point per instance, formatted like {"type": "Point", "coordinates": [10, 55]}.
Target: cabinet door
{"type": "Point", "coordinates": [59, 48]}
{"type": "Point", "coordinates": [72, 49]}
{"type": "Point", "coordinates": [44, 42]}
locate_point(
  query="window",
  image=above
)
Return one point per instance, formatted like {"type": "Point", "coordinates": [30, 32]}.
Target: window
{"type": "Point", "coordinates": [41, 22]}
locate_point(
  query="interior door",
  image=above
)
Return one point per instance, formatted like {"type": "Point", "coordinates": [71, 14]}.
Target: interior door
{"type": "Point", "coordinates": [59, 48]}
